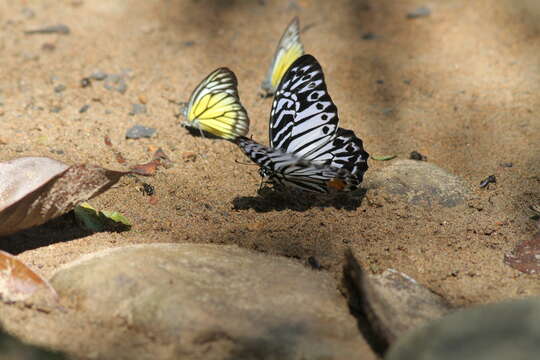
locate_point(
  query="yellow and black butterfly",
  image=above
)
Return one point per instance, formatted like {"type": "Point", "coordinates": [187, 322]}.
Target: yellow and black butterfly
{"type": "Point", "coordinates": [289, 49]}
{"type": "Point", "coordinates": [214, 107]}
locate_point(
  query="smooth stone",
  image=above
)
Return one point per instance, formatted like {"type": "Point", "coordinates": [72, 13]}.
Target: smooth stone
{"type": "Point", "coordinates": [115, 82]}
{"type": "Point", "coordinates": [509, 330]}
{"type": "Point", "coordinates": [420, 183]}
{"type": "Point", "coordinates": [223, 301]}
{"type": "Point", "coordinates": [139, 131]}
{"type": "Point", "coordinates": [419, 12]}
{"type": "Point", "coordinates": [137, 109]}
{"type": "Point", "coordinates": [393, 302]}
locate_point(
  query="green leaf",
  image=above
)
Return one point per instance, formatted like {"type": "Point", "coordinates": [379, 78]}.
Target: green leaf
{"type": "Point", "coordinates": [97, 221]}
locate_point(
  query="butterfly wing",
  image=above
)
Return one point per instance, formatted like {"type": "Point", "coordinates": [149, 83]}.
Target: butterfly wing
{"type": "Point", "coordinates": [289, 170]}
{"type": "Point", "coordinates": [214, 106]}
{"type": "Point", "coordinates": [289, 49]}
{"type": "Point", "coordinates": [304, 121]}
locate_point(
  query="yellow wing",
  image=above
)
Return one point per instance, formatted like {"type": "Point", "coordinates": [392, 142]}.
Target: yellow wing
{"type": "Point", "coordinates": [215, 107]}
{"type": "Point", "coordinates": [289, 49]}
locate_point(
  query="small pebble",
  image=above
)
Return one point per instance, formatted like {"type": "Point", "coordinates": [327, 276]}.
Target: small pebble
{"type": "Point", "coordinates": [415, 155]}
{"type": "Point", "coordinates": [407, 82]}
{"type": "Point", "coordinates": [420, 12]}
{"type": "Point", "coordinates": [56, 109]}
{"type": "Point", "coordinates": [48, 46]}
{"type": "Point", "coordinates": [84, 108]}
{"type": "Point", "coordinates": [98, 75]}
{"type": "Point", "coordinates": [143, 99]}
{"type": "Point", "coordinates": [58, 152]}
{"type": "Point", "coordinates": [507, 164]}
{"type": "Point", "coordinates": [115, 82]}
{"type": "Point", "coordinates": [85, 82]}
{"type": "Point", "coordinates": [491, 179]}
{"type": "Point", "coordinates": [59, 88]}
{"type": "Point", "coordinates": [139, 131]}
{"type": "Point", "coordinates": [188, 43]}
{"type": "Point", "coordinates": [369, 36]}
{"type": "Point", "coordinates": [137, 109]}
{"type": "Point", "coordinates": [380, 82]}
{"type": "Point", "coordinates": [28, 13]}
{"type": "Point", "coordinates": [53, 29]}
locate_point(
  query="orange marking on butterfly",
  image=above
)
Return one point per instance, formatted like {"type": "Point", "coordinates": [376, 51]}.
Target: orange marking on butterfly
{"type": "Point", "coordinates": [337, 184]}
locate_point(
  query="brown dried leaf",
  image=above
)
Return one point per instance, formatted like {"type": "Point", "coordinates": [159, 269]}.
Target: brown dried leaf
{"type": "Point", "coordinates": [163, 158]}
{"type": "Point", "coordinates": [34, 190]}
{"type": "Point", "coordinates": [525, 257]}
{"type": "Point", "coordinates": [18, 282]}
{"type": "Point", "coordinates": [148, 169]}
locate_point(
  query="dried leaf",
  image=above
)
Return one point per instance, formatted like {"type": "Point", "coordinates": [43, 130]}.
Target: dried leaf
{"type": "Point", "coordinates": [526, 256]}
{"type": "Point", "coordinates": [148, 169]}
{"type": "Point", "coordinates": [34, 190]}
{"type": "Point", "coordinates": [163, 158]}
{"type": "Point", "coordinates": [18, 282]}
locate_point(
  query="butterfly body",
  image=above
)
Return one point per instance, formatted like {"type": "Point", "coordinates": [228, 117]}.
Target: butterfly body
{"type": "Point", "coordinates": [214, 107]}
{"type": "Point", "coordinates": [289, 49]}
{"type": "Point", "coordinates": [308, 150]}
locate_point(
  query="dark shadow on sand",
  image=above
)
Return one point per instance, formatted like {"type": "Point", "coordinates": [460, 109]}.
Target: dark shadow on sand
{"type": "Point", "coordinates": [269, 199]}
{"type": "Point", "coordinates": [61, 229]}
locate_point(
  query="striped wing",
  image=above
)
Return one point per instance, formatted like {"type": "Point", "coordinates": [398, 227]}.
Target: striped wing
{"type": "Point", "coordinates": [304, 121]}
{"type": "Point", "coordinates": [215, 107]}
{"type": "Point", "coordinates": [288, 170]}
{"type": "Point", "coordinates": [289, 49]}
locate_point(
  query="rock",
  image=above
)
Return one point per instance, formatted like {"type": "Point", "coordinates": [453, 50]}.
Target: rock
{"type": "Point", "coordinates": [53, 29]}
{"type": "Point", "coordinates": [508, 330]}
{"type": "Point", "coordinates": [139, 131]}
{"type": "Point", "coordinates": [84, 108]}
{"type": "Point", "coordinates": [221, 301]}
{"type": "Point", "coordinates": [137, 109]}
{"type": "Point", "coordinates": [369, 36]}
{"type": "Point", "coordinates": [506, 164]}
{"type": "Point", "coordinates": [393, 302]}
{"type": "Point", "coordinates": [116, 83]}
{"type": "Point", "coordinates": [59, 88]}
{"type": "Point", "coordinates": [98, 75]}
{"type": "Point", "coordinates": [420, 12]}
{"type": "Point", "coordinates": [420, 183]}
{"type": "Point", "coordinates": [86, 82]}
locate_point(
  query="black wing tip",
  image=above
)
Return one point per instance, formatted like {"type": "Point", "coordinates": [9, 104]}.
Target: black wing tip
{"type": "Point", "coordinates": [307, 59]}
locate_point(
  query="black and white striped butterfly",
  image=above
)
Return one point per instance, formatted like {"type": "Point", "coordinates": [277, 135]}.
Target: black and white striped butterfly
{"type": "Point", "coordinates": [307, 148]}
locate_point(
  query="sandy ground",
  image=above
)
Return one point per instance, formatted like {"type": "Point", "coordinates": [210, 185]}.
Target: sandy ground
{"type": "Point", "coordinates": [460, 86]}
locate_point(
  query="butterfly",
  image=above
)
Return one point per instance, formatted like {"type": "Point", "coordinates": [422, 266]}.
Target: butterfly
{"type": "Point", "coordinates": [214, 107]}
{"type": "Point", "coordinates": [289, 49]}
{"type": "Point", "coordinates": [307, 148]}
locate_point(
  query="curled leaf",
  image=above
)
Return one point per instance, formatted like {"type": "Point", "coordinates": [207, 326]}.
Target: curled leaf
{"type": "Point", "coordinates": [18, 282]}
{"type": "Point", "coordinates": [34, 190]}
